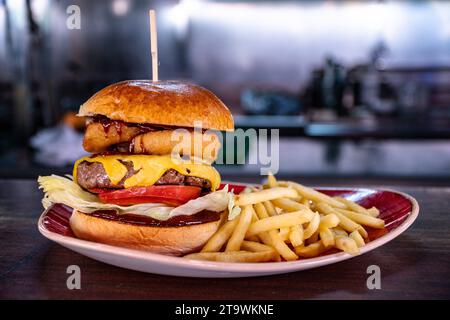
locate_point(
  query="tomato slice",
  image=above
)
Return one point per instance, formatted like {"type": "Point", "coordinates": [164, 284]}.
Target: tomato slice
{"type": "Point", "coordinates": [100, 190]}
{"type": "Point", "coordinates": [237, 188]}
{"type": "Point", "coordinates": [171, 195]}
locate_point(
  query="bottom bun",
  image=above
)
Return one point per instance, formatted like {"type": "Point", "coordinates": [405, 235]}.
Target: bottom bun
{"type": "Point", "coordinates": [174, 241]}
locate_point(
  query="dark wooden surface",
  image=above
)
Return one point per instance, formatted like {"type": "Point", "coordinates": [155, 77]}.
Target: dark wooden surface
{"type": "Point", "coordinates": [415, 265]}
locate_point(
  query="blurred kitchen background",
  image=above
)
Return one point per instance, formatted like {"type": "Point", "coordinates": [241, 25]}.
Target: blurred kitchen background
{"type": "Point", "coordinates": [358, 89]}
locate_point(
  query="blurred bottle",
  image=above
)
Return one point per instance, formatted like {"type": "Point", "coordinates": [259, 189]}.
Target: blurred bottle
{"type": "Point", "coordinates": [269, 103]}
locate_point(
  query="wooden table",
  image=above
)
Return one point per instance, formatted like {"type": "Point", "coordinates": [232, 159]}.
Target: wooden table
{"type": "Point", "coordinates": [415, 265]}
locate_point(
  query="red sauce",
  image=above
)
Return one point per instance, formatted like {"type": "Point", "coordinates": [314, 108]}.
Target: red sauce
{"type": "Point", "coordinates": [177, 221]}
{"type": "Point", "coordinates": [144, 127]}
{"type": "Point", "coordinates": [118, 125]}
{"type": "Point", "coordinates": [110, 153]}
{"type": "Point", "coordinates": [106, 124]}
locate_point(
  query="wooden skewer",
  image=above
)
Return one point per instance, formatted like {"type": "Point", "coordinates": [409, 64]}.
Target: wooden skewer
{"type": "Point", "coordinates": [154, 44]}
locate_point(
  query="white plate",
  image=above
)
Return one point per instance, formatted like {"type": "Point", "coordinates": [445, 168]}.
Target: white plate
{"type": "Point", "coordinates": [176, 266]}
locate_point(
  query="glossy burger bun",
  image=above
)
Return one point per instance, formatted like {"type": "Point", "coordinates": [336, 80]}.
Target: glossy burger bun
{"type": "Point", "coordinates": [170, 103]}
{"type": "Point", "coordinates": [175, 241]}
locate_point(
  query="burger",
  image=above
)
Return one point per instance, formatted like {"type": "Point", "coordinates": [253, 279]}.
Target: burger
{"type": "Point", "coordinates": [149, 183]}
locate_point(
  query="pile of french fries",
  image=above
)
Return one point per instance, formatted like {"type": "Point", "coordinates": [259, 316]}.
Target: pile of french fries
{"type": "Point", "coordinates": [286, 221]}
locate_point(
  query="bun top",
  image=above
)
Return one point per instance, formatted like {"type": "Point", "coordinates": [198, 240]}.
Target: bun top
{"type": "Point", "coordinates": [169, 103]}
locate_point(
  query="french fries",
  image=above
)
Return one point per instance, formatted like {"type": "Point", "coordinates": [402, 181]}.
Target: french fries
{"type": "Point", "coordinates": [279, 221]}
{"type": "Point", "coordinates": [356, 236]}
{"type": "Point", "coordinates": [233, 256]}
{"type": "Point", "coordinates": [281, 246]}
{"type": "Point", "coordinates": [284, 233]}
{"type": "Point", "coordinates": [346, 223]}
{"type": "Point", "coordinates": [347, 244]}
{"type": "Point", "coordinates": [313, 226]}
{"type": "Point", "coordinates": [374, 212]}
{"type": "Point", "coordinates": [312, 250]}
{"type": "Point", "coordinates": [326, 236]}
{"type": "Point", "coordinates": [314, 238]}
{"type": "Point", "coordinates": [220, 237]}
{"type": "Point", "coordinates": [286, 221]}
{"type": "Point", "coordinates": [265, 195]}
{"type": "Point", "coordinates": [271, 211]}
{"type": "Point", "coordinates": [245, 218]}
{"type": "Point", "coordinates": [255, 246]}
{"type": "Point", "coordinates": [329, 221]}
{"type": "Point", "coordinates": [271, 180]}
{"type": "Point", "coordinates": [267, 240]}
{"type": "Point", "coordinates": [305, 202]}
{"type": "Point", "coordinates": [338, 231]}
{"type": "Point", "coordinates": [288, 205]}
{"type": "Point", "coordinates": [353, 206]}
{"type": "Point", "coordinates": [363, 219]}
{"type": "Point", "coordinates": [312, 194]}
{"type": "Point", "coordinates": [296, 235]}
{"type": "Point", "coordinates": [273, 238]}
{"type": "Point", "coordinates": [252, 238]}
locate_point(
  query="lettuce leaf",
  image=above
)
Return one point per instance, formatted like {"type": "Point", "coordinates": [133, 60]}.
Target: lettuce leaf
{"type": "Point", "coordinates": [215, 201]}
{"type": "Point", "coordinates": [63, 190]}
{"type": "Point", "coordinates": [233, 210]}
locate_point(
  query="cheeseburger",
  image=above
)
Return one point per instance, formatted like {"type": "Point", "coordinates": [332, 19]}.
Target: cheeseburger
{"type": "Point", "coordinates": [149, 183]}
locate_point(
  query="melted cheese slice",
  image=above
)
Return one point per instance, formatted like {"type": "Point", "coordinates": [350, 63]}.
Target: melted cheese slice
{"type": "Point", "coordinates": [150, 168]}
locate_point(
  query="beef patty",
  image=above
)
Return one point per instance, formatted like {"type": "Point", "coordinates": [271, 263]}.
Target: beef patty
{"type": "Point", "coordinates": [91, 175]}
